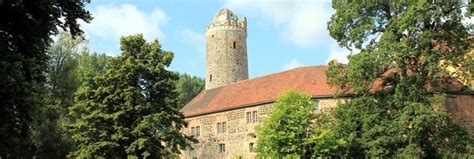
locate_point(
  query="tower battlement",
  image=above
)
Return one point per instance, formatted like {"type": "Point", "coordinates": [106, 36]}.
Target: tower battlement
{"type": "Point", "coordinates": [225, 18]}
{"type": "Point", "coordinates": [226, 50]}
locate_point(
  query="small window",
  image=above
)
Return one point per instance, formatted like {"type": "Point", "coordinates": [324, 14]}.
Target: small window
{"type": "Point", "coordinates": [198, 131]}
{"type": "Point", "coordinates": [248, 117]}
{"type": "Point", "coordinates": [221, 148]}
{"type": "Point", "coordinates": [251, 147]}
{"type": "Point", "coordinates": [223, 127]}
{"type": "Point", "coordinates": [254, 117]}
{"type": "Point", "coordinates": [234, 45]}
{"type": "Point", "coordinates": [210, 77]}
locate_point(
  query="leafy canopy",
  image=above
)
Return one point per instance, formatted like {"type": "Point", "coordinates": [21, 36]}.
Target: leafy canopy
{"type": "Point", "coordinates": [25, 34]}
{"type": "Point", "coordinates": [397, 76]}
{"type": "Point", "coordinates": [131, 109]}
{"type": "Point", "coordinates": [188, 87]}
{"type": "Point", "coordinates": [284, 131]}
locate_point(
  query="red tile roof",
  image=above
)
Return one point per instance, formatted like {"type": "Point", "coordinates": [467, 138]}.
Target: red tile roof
{"type": "Point", "coordinates": [311, 80]}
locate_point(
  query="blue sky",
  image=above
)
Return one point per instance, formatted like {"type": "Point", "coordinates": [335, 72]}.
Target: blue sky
{"type": "Point", "coordinates": [282, 34]}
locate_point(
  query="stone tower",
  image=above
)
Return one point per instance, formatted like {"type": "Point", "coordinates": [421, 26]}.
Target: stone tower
{"type": "Point", "coordinates": [226, 50]}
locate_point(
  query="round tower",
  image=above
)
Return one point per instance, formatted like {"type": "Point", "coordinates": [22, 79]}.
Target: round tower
{"type": "Point", "coordinates": [226, 50]}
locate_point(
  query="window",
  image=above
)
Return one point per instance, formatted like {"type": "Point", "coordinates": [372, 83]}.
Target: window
{"type": "Point", "coordinates": [317, 107]}
{"type": "Point", "coordinates": [221, 127]}
{"type": "Point", "coordinates": [248, 117]}
{"type": "Point", "coordinates": [221, 148]}
{"type": "Point", "coordinates": [233, 45]}
{"type": "Point", "coordinates": [210, 77]}
{"type": "Point", "coordinates": [254, 117]}
{"type": "Point", "coordinates": [251, 147]}
{"type": "Point", "coordinates": [196, 131]}
{"type": "Point", "coordinates": [251, 117]}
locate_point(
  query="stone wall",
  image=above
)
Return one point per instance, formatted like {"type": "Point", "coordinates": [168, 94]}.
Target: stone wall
{"type": "Point", "coordinates": [238, 135]}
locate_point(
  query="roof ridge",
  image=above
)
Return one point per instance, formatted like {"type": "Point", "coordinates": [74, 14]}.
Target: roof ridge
{"type": "Point", "coordinates": [271, 74]}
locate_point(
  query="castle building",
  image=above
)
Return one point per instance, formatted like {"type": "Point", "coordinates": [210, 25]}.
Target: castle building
{"type": "Point", "coordinates": [223, 117]}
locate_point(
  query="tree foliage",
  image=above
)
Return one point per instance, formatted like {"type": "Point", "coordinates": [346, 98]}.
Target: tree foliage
{"type": "Point", "coordinates": [25, 34]}
{"type": "Point", "coordinates": [131, 109]}
{"type": "Point", "coordinates": [284, 132]}
{"type": "Point", "coordinates": [70, 65]}
{"type": "Point", "coordinates": [396, 78]}
{"type": "Point", "coordinates": [188, 87]}
{"type": "Point", "coordinates": [49, 137]}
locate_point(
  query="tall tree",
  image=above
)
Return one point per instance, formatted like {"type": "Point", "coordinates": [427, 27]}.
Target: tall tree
{"type": "Point", "coordinates": [396, 77]}
{"type": "Point", "coordinates": [25, 34]}
{"type": "Point", "coordinates": [131, 109]}
{"type": "Point", "coordinates": [51, 140]}
{"type": "Point", "coordinates": [188, 87]}
{"type": "Point", "coordinates": [285, 131]}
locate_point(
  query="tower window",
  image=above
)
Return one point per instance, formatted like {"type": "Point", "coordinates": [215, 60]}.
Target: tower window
{"type": "Point", "coordinates": [210, 77]}
{"type": "Point", "coordinates": [234, 45]}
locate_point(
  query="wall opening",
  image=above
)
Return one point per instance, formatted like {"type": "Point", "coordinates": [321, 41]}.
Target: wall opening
{"type": "Point", "coordinates": [210, 77]}
{"type": "Point", "coordinates": [234, 45]}
{"type": "Point", "coordinates": [251, 147]}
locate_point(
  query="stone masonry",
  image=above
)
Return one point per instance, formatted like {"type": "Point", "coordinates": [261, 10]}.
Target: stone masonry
{"type": "Point", "coordinates": [239, 134]}
{"type": "Point", "coordinates": [226, 50]}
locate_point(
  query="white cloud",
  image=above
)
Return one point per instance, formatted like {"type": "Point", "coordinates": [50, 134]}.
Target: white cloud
{"type": "Point", "coordinates": [195, 39]}
{"type": "Point", "coordinates": [339, 54]}
{"type": "Point", "coordinates": [112, 21]}
{"type": "Point", "coordinates": [304, 22]}
{"type": "Point", "coordinates": [294, 63]}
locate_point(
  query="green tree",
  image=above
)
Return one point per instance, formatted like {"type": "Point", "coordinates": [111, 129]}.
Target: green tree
{"type": "Point", "coordinates": [323, 140]}
{"type": "Point", "coordinates": [90, 65]}
{"type": "Point", "coordinates": [50, 138]}
{"type": "Point", "coordinates": [284, 132]}
{"type": "Point", "coordinates": [25, 34]}
{"type": "Point", "coordinates": [131, 109]}
{"type": "Point", "coordinates": [396, 109]}
{"type": "Point", "coordinates": [188, 87]}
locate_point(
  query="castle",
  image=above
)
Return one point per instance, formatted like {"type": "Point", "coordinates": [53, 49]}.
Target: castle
{"type": "Point", "coordinates": [223, 116]}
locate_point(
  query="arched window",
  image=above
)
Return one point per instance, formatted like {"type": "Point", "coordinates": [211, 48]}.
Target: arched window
{"type": "Point", "coordinates": [234, 45]}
